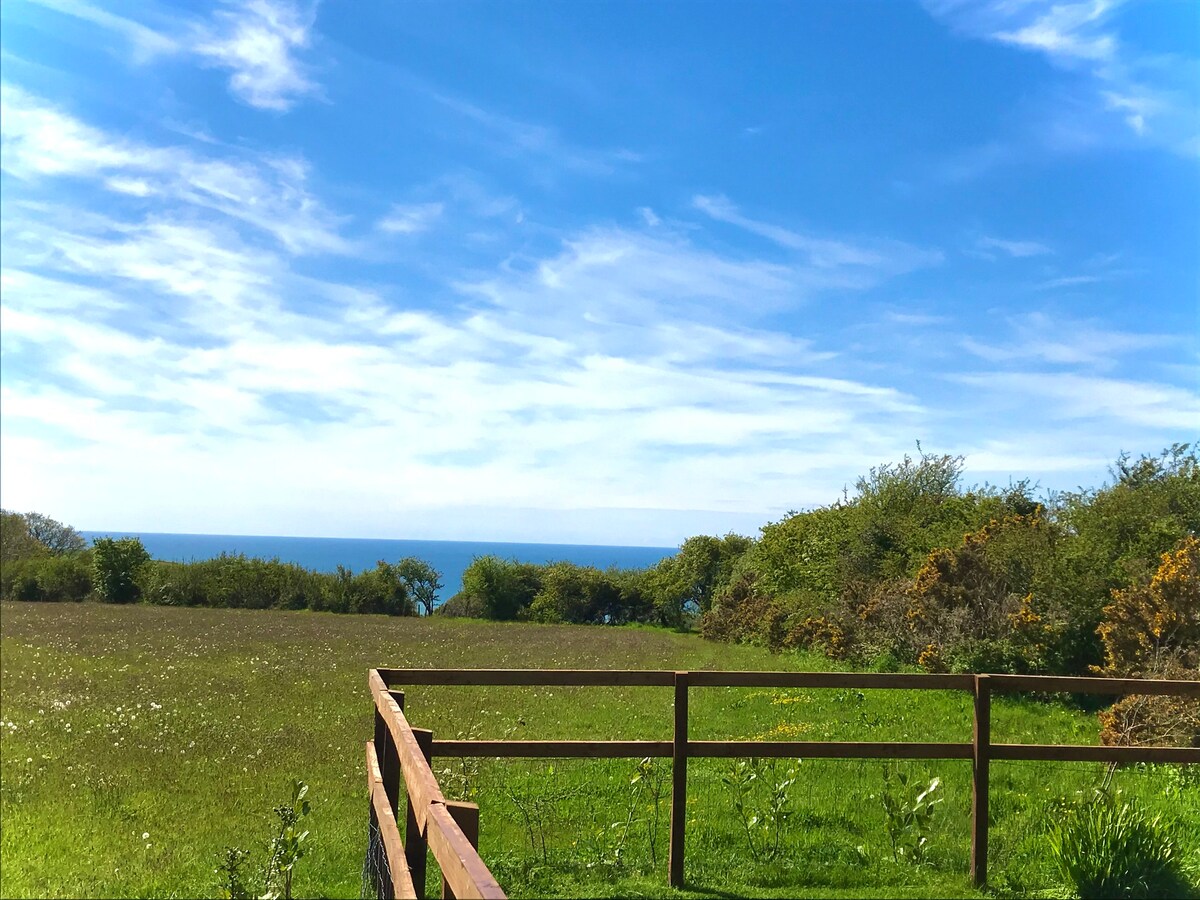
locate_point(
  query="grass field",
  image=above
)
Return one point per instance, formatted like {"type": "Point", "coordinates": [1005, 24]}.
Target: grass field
{"type": "Point", "coordinates": [138, 742]}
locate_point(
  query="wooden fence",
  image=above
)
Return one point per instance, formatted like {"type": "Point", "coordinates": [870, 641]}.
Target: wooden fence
{"type": "Point", "coordinates": [450, 830]}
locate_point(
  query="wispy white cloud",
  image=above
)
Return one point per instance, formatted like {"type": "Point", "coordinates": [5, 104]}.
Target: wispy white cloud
{"type": "Point", "coordinates": [888, 256]}
{"type": "Point", "coordinates": [1070, 32]}
{"type": "Point", "coordinates": [147, 43]}
{"type": "Point", "coordinates": [410, 219]}
{"type": "Point", "coordinates": [625, 369]}
{"type": "Point", "coordinates": [39, 140]}
{"type": "Point", "coordinates": [1039, 337]}
{"type": "Point", "coordinates": [1073, 396]}
{"type": "Point", "coordinates": [1156, 96]}
{"type": "Point", "coordinates": [1067, 31]}
{"type": "Point", "coordinates": [258, 41]}
{"type": "Point", "coordinates": [515, 137]}
{"type": "Point", "coordinates": [1019, 249]}
{"type": "Point", "coordinates": [606, 374]}
{"type": "Point", "coordinates": [1069, 281]}
{"type": "Point", "coordinates": [913, 318]}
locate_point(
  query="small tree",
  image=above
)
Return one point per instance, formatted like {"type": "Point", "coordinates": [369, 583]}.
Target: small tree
{"type": "Point", "coordinates": [422, 580]}
{"type": "Point", "coordinates": [58, 538]}
{"type": "Point", "coordinates": [116, 564]}
{"type": "Point", "coordinates": [505, 588]}
{"type": "Point", "coordinates": [16, 541]}
{"type": "Point", "coordinates": [684, 584]}
{"type": "Point", "coordinates": [577, 594]}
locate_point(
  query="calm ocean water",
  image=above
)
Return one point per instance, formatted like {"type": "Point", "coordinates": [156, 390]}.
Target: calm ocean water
{"type": "Point", "coordinates": [326, 554]}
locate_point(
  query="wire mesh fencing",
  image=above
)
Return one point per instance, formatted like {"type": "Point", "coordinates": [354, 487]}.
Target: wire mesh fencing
{"type": "Point", "coordinates": [376, 871]}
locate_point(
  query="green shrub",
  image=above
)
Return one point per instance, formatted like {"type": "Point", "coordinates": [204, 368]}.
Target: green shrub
{"type": "Point", "coordinates": [22, 582]}
{"type": "Point", "coordinates": [1112, 848]}
{"type": "Point", "coordinates": [117, 566]}
{"type": "Point", "coordinates": [466, 606]}
{"type": "Point", "coordinates": [505, 587]}
{"type": "Point", "coordinates": [582, 595]}
{"type": "Point", "coordinates": [64, 578]}
{"type": "Point", "coordinates": [176, 584]}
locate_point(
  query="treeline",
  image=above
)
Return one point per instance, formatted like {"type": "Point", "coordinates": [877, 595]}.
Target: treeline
{"type": "Point", "coordinates": [669, 594]}
{"type": "Point", "coordinates": [912, 568]}
{"type": "Point", "coordinates": [44, 560]}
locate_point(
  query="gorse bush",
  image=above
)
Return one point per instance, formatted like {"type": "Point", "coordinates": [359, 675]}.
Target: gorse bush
{"type": "Point", "coordinates": [1152, 630]}
{"type": "Point", "coordinates": [1111, 848]}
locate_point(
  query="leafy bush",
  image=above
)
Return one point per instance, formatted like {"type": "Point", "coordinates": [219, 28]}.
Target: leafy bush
{"type": "Point", "coordinates": [466, 606]}
{"type": "Point", "coordinates": [683, 585]}
{"type": "Point", "coordinates": [41, 559]}
{"type": "Point", "coordinates": [504, 587]}
{"type": "Point", "coordinates": [763, 801]}
{"type": "Point", "coordinates": [117, 566]}
{"type": "Point", "coordinates": [21, 581]}
{"type": "Point", "coordinates": [743, 614]}
{"type": "Point", "coordinates": [16, 540]}
{"type": "Point", "coordinates": [577, 594]}
{"type": "Point", "coordinates": [1108, 848]}
{"type": "Point", "coordinates": [975, 606]}
{"type": "Point", "coordinates": [915, 567]}
{"type": "Point", "coordinates": [45, 560]}
{"type": "Point", "coordinates": [66, 578]}
{"type": "Point", "coordinates": [378, 590]}
{"type": "Point", "coordinates": [1116, 535]}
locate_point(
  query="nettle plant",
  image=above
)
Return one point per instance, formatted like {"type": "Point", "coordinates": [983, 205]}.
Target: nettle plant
{"type": "Point", "coordinates": [540, 802]}
{"type": "Point", "coordinates": [286, 848]}
{"type": "Point", "coordinates": [649, 783]}
{"type": "Point", "coordinates": [909, 820]}
{"type": "Point", "coordinates": [762, 799]}
{"type": "Point", "coordinates": [647, 788]}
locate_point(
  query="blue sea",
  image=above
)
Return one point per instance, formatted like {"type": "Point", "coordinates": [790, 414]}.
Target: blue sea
{"type": "Point", "coordinates": [326, 554]}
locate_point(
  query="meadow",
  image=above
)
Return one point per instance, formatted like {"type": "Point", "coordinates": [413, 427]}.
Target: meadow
{"type": "Point", "coordinates": [138, 742]}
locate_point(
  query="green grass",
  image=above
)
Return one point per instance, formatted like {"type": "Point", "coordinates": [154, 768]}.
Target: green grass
{"type": "Point", "coordinates": [187, 725]}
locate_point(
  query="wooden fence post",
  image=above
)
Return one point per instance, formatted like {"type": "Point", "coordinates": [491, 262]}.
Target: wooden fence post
{"type": "Point", "coordinates": [679, 781]}
{"type": "Point", "coordinates": [416, 847]}
{"type": "Point", "coordinates": [466, 816]}
{"type": "Point", "coordinates": [389, 768]}
{"type": "Point", "coordinates": [981, 755]}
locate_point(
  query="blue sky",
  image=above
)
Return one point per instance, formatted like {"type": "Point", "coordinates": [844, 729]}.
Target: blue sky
{"type": "Point", "coordinates": [584, 272]}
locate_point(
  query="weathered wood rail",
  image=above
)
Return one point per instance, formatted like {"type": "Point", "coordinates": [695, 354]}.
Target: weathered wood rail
{"type": "Point", "coordinates": [451, 830]}
{"type": "Point", "coordinates": [434, 824]}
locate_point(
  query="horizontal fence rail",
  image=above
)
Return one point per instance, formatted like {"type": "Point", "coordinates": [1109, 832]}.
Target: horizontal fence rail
{"type": "Point", "coordinates": [415, 747]}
